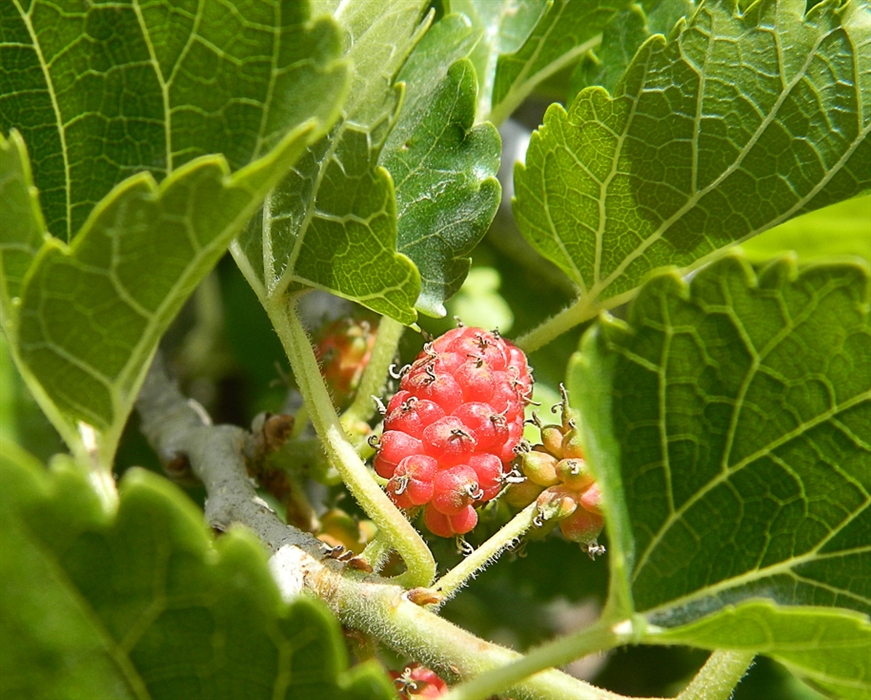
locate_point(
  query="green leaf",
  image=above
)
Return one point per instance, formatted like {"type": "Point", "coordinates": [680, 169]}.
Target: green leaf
{"type": "Point", "coordinates": [143, 604]}
{"type": "Point", "coordinates": [443, 168]}
{"type": "Point", "coordinates": [733, 443]}
{"type": "Point", "coordinates": [331, 224]}
{"type": "Point", "coordinates": [102, 91]}
{"type": "Point", "coordinates": [19, 205]}
{"type": "Point", "coordinates": [90, 314]}
{"type": "Point", "coordinates": [560, 38]}
{"type": "Point", "coordinates": [734, 126]}
{"type": "Point", "coordinates": [828, 648]}
{"type": "Point", "coordinates": [504, 26]}
{"type": "Point", "coordinates": [839, 229]}
{"type": "Point", "coordinates": [621, 38]}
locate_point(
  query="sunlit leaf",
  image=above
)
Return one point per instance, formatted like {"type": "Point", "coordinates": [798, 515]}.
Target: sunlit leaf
{"type": "Point", "coordinates": [621, 38]}
{"type": "Point", "coordinates": [828, 648]}
{"type": "Point", "coordinates": [734, 126]}
{"type": "Point", "coordinates": [734, 439]}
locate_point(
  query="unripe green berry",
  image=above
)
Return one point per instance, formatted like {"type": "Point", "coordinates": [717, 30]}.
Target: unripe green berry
{"type": "Point", "coordinates": [557, 503]}
{"type": "Point", "coordinates": [575, 474]}
{"type": "Point", "coordinates": [591, 499]}
{"type": "Point", "coordinates": [582, 526]}
{"type": "Point", "coordinates": [522, 494]}
{"type": "Point", "coordinates": [539, 467]}
{"type": "Point", "coordinates": [572, 448]}
{"type": "Point", "coordinates": [552, 438]}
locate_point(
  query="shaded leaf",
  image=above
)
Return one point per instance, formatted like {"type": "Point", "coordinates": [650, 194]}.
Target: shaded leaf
{"type": "Point", "coordinates": [444, 169]}
{"type": "Point", "coordinates": [102, 91]}
{"type": "Point", "coordinates": [331, 224]}
{"type": "Point", "coordinates": [142, 604]}
{"type": "Point", "coordinates": [19, 204]}
{"type": "Point", "coordinates": [621, 38]}
{"type": "Point", "coordinates": [91, 314]}
{"type": "Point", "coordinates": [504, 26]}
{"type": "Point", "coordinates": [828, 648]}
{"type": "Point", "coordinates": [736, 125]}
{"type": "Point", "coordinates": [560, 38]}
{"type": "Point", "coordinates": [734, 439]}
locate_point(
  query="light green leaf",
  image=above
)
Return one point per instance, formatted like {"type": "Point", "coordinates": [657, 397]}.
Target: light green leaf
{"type": "Point", "coordinates": [560, 38]}
{"type": "Point", "coordinates": [90, 314]}
{"type": "Point", "coordinates": [734, 126]}
{"type": "Point", "coordinates": [102, 91]}
{"type": "Point", "coordinates": [830, 649]}
{"type": "Point", "coordinates": [621, 38]}
{"type": "Point", "coordinates": [143, 604]}
{"type": "Point", "coordinates": [444, 168]}
{"type": "Point", "coordinates": [839, 229]}
{"type": "Point", "coordinates": [331, 224]}
{"type": "Point", "coordinates": [729, 422]}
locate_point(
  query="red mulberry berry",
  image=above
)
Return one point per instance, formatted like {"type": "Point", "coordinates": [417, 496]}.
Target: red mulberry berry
{"type": "Point", "coordinates": [418, 681]}
{"type": "Point", "coordinates": [461, 405]}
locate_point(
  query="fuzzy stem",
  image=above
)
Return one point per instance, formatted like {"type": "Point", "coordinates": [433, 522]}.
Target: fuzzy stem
{"type": "Point", "coordinates": [586, 307]}
{"type": "Point", "coordinates": [373, 379]}
{"type": "Point", "coordinates": [716, 680]}
{"type": "Point", "coordinates": [448, 585]}
{"type": "Point", "coordinates": [581, 310]}
{"type": "Point", "coordinates": [419, 562]}
{"type": "Point", "coordinates": [598, 637]}
{"type": "Point", "coordinates": [368, 604]}
{"type": "Point", "coordinates": [376, 551]}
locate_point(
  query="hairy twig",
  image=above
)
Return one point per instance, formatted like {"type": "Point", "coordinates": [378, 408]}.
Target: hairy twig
{"type": "Point", "coordinates": [364, 602]}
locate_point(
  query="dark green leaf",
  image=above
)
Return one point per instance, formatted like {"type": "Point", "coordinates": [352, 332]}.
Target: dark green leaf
{"type": "Point", "coordinates": [737, 124]}
{"type": "Point", "coordinates": [443, 168]}
{"type": "Point", "coordinates": [621, 38]}
{"type": "Point", "coordinates": [561, 37]}
{"type": "Point", "coordinates": [734, 439]}
{"type": "Point", "coordinates": [101, 91]}
{"type": "Point", "coordinates": [504, 26]}
{"type": "Point", "coordinates": [142, 604]}
{"type": "Point", "coordinates": [91, 314]}
{"type": "Point", "coordinates": [331, 224]}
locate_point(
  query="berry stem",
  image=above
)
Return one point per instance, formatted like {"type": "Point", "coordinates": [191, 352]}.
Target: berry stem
{"type": "Point", "coordinates": [448, 585]}
{"type": "Point", "coordinates": [717, 679]}
{"type": "Point", "coordinates": [596, 638]}
{"type": "Point", "coordinates": [372, 382]}
{"type": "Point", "coordinates": [583, 309]}
{"type": "Point", "coordinates": [376, 551]}
{"type": "Point", "coordinates": [420, 565]}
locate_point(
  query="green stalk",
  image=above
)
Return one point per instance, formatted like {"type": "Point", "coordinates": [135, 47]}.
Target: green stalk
{"type": "Point", "coordinates": [716, 680]}
{"type": "Point", "coordinates": [582, 310]}
{"type": "Point", "coordinates": [448, 585]}
{"type": "Point", "coordinates": [419, 562]}
{"type": "Point", "coordinates": [598, 637]}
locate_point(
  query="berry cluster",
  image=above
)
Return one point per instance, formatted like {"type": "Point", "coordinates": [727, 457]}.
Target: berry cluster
{"type": "Point", "coordinates": [343, 352]}
{"type": "Point", "coordinates": [450, 431]}
{"type": "Point", "coordinates": [558, 479]}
